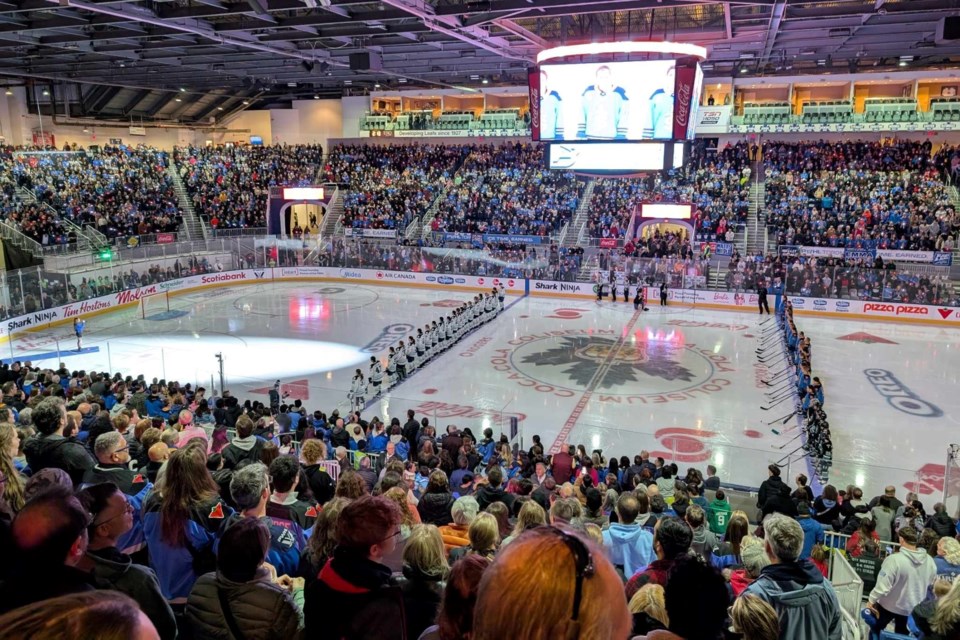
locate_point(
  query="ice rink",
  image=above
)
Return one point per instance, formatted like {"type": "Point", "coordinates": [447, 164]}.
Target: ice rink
{"type": "Point", "coordinates": [679, 381]}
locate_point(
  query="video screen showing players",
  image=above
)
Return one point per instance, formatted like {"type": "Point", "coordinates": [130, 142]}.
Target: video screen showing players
{"type": "Point", "coordinates": [607, 101]}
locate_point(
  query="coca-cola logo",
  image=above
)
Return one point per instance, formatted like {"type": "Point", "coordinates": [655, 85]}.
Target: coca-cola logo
{"type": "Point", "coordinates": [534, 85]}
{"type": "Point", "coordinates": [683, 98]}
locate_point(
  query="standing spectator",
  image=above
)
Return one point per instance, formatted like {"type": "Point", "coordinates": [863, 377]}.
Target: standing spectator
{"type": "Point", "coordinates": [425, 570]}
{"type": "Point", "coordinates": [704, 541]}
{"type": "Point", "coordinates": [774, 494]}
{"type": "Point", "coordinates": [354, 596]}
{"type": "Point", "coordinates": [181, 520]}
{"type": "Point", "coordinates": [692, 581]}
{"type": "Point", "coordinates": [883, 515]}
{"type": "Point", "coordinates": [49, 539]}
{"type": "Point", "coordinates": [49, 448]}
{"type": "Point", "coordinates": [812, 529]}
{"type": "Point", "coordinates": [753, 559]}
{"type": "Point", "coordinates": [711, 482]}
{"type": "Point", "coordinates": [244, 597]}
{"type": "Point", "coordinates": [940, 521]}
{"type": "Point", "coordinates": [718, 514]}
{"type": "Point", "coordinates": [521, 596]}
{"type": "Point", "coordinates": [492, 492]}
{"type": "Point", "coordinates": [321, 484]}
{"type": "Point", "coordinates": [671, 540]}
{"type": "Point", "coordinates": [561, 465]}
{"type": "Point", "coordinates": [436, 502]}
{"type": "Point", "coordinates": [902, 584]}
{"type": "Point", "coordinates": [629, 546]}
{"type": "Point", "coordinates": [111, 517]}
{"type": "Point", "coordinates": [245, 446]}
{"type": "Point", "coordinates": [455, 620]}
{"type": "Point", "coordinates": [893, 502]}
{"type": "Point", "coordinates": [754, 619]}
{"type": "Point", "coordinates": [804, 601]}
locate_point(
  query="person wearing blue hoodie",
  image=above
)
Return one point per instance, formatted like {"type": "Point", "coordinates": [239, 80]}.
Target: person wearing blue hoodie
{"type": "Point", "coordinates": [812, 530]}
{"type": "Point", "coordinates": [629, 546]}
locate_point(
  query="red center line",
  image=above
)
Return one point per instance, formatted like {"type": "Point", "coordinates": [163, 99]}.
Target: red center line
{"type": "Point", "coordinates": [595, 381]}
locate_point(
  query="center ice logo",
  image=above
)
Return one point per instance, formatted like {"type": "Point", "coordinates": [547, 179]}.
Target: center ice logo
{"type": "Point", "coordinates": [584, 355]}
{"type": "Point", "coordinates": [650, 367]}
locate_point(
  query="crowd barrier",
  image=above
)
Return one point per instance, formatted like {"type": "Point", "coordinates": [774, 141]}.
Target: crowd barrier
{"type": "Point", "coordinates": [719, 300]}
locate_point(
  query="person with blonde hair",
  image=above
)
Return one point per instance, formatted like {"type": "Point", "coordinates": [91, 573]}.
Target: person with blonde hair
{"type": "Point", "coordinates": [425, 570]}
{"type": "Point", "coordinates": [323, 538]}
{"type": "Point", "coordinates": [948, 558]}
{"type": "Point", "coordinates": [946, 620]}
{"type": "Point", "coordinates": [649, 609]}
{"type": "Point", "coordinates": [12, 484]}
{"type": "Point", "coordinates": [753, 559]}
{"type": "Point", "coordinates": [105, 615]}
{"type": "Point", "coordinates": [551, 584]}
{"type": "Point", "coordinates": [919, 621]}
{"type": "Point", "coordinates": [531, 515]}
{"type": "Point", "coordinates": [399, 497]}
{"type": "Point", "coordinates": [754, 619]}
{"type": "Point", "coordinates": [312, 453]}
{"type": "Point", "coordinates": [484, 535]}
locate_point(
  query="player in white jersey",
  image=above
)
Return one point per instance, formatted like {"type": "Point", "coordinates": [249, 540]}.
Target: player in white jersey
{"type": "Point", "coordinates": [391, 367]}
{"type": "Point", "coordinates": [501, 295]}
{"type": "Point", "coordinates": [421, 343]}
{"type": "Point", "coordinates": [376, 375]}
{"type": "Point", "coordinates": [401, 356]}
{"type": "Point", "coordinates": [358, 391]}
{"type": "Point", "coordinates": [412, 362]}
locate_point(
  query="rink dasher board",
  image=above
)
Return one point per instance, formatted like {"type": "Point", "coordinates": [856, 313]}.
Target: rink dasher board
{"type": "Point", "coordinates": [718, 300]}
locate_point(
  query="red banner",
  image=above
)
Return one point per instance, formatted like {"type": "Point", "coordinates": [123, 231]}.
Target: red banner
{"type": "Point", "coordinates": [608, 243]}
{"type": "Point", "coordinates": [683, 100]}
{"type": "Point", "coordinates": [164, 238]}
{"type": "Point", "coordinates": [533, 81]}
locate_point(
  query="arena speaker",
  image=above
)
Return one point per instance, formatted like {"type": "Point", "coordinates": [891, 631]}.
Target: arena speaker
{"type": "Point", "coordinates": [948, 30]}
{"type": "Point", "coordinates": [366, 61]}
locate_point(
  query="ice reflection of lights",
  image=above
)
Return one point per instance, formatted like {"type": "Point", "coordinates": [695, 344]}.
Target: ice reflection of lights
{"type": "Point", "coordinates": [303, 309]}
{"type": "Point", "coordinates": [860, 479]}
{"type": "Point", "coordinates": [718, 459]}
{"type": "Point", "coordinates": [671, 337]}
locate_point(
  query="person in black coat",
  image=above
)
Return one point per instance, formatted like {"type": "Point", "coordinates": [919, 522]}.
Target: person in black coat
{"type": "Point", "coordinates": [355, 596]}
{"type": "Point", "coordinates": [437, 501]}
{"type": "Point", "coordinates": [321, 484]}
{"type": "Point", "coordinates": [773, 485]}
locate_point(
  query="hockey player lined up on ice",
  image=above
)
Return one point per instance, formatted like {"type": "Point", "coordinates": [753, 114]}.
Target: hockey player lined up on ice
{"type": "Point", "coordinates": [400, 358]}
{"type": "Point", "coordinates": [358, 391]}
{"type": "Point", "coordinates": [501, 295]}
{"type": "Point", "coordinates": [78, 326]}
{"type": "Point", "coordinates": [376, 375]}
{"type": "Point", "coordinates": [412, 361]}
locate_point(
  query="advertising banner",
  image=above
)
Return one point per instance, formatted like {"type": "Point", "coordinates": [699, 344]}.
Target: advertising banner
{"type": "Point", "coordinates": [533, 83]}
{"type": "Point", "coordinates": [608, 243]}
{"type": "Point", "coordinates": [683, 99]}
{"type": "Point", "coordinates": [370, 233]}
{"type": "Point", "coordinates": [511, 239]}
{"type": "Point", "coordinates": [724, 248]}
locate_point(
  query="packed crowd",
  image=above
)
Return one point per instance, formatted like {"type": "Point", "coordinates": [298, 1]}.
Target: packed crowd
{"type": "Point", "coordinates": [838, 278]}
{"type": "Point", "coordinates": [545, 262]}
{"type": "Point", "coordinates": [32, 219]}
{"type": "Point", "coordinates": [507, 189]}
{"type": "Point", "coordinates": [859, 195]}
{"type": "Point", "coordinates": [119, 191]}
{"type": "Point", "coordinates": [390, 185]}
{"type": "Point", "coordinates": [135, 509]}
{"type": "Point", "coordinates": [229, 185]}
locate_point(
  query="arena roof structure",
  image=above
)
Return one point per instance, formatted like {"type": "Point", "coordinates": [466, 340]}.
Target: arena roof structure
{"type": "Point", "coordinates": [188, 60]}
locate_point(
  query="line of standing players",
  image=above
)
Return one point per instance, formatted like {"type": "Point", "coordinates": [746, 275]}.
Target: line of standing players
{"type": "Point", "coordinates": [435, 338]}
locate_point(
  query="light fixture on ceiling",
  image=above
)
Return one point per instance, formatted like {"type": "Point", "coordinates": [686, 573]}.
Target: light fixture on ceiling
{"type": "Point", "coordinates": [45, 92]}
{"type": "Point", "coordinates": [743, 69]}
{"type": "Point", "coordinates": [85, 130]}
{"type": "Point", "coordinates": [183, 90]}
{"type": "Point", "coordinates": [9, 92]}
{"type": "Point", "coordinates": [376, 86]}
{"type": "Point", "coordinates": [179, 100]}
{"type": "Point", "coordinates": [486, 81]}
{"type": "Point", "coordinates": [316, 97]}
{"type": "Point", "coordinates": [246, 102]}
{"type": "Point", "coordinates": [219, 108]}
{"type": "Point", "coordinates": [123, 65]}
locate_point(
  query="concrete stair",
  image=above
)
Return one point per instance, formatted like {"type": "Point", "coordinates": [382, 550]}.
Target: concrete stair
{"type": "Point", "coordinates": [192, 226]}
{"type": "Point", "coordinates": [573, 234]}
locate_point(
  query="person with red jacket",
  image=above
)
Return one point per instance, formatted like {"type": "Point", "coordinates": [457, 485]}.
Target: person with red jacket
{"type": "Point", "coordinates": [561, 464]}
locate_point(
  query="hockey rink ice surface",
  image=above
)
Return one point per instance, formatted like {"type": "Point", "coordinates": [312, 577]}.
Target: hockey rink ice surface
{"type": "Point", "coordinates": [678, 381]}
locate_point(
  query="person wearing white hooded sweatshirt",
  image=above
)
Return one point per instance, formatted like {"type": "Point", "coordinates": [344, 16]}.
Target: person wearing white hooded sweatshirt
{"type": "Point", "coordinates": [904, 580]}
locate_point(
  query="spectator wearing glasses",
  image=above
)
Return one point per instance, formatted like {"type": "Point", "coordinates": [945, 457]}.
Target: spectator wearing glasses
{"type": "Point", "coordinates": [576, 594]}
{"type": "Point", "coordinates": [355, 596]}
{"type": "Point", "coordinates": [112, 516]}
